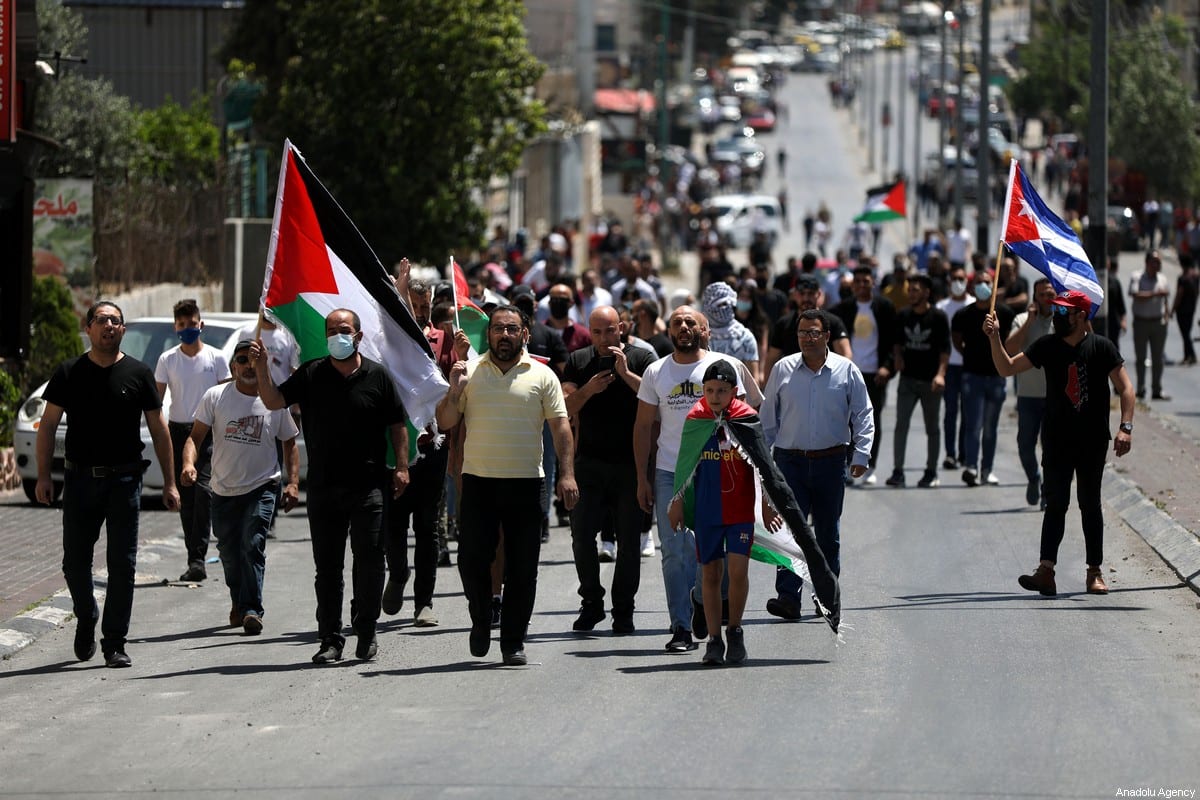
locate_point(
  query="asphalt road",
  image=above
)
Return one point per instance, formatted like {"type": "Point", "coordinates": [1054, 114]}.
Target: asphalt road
{"type": "Point", "coordinates": [952, 681]}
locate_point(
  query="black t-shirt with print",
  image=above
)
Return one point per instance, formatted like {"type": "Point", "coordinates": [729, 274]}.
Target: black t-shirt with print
{"type": "Point", "coordinates": [606, 419]}
{"type": "Point", "coordinates": [977, 349]}
{"type": "Point", "coordinates": [923, 338]}
{"type": "Point", "coordinates": [1077, 386]}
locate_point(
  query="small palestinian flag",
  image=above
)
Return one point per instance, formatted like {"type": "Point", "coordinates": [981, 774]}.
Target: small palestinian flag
{"type": "Point", "coordinates": [468, 316]}
{"type": "Point", "coordinates": [884, 203]}
{"type": "Point", "coordinates": [318, 262]}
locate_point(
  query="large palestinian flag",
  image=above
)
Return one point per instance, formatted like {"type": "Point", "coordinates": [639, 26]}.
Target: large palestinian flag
{"type": "Point", "coordinates": [319, 262]}
{"type": "Point", "coordinates": [798, 552]}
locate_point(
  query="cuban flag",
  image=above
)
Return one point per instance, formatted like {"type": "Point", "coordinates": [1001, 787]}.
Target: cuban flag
{"type": "Point", "coordinates": [1032, 232]}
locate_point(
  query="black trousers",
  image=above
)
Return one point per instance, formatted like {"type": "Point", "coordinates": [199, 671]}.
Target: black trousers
{"type": "Point", "coordinates": [877, 394]}
{"type": "Point", "coordinates": [489, 504]}
{"type": "Point", "coordinates": [607, 492]}
{"type": "Point", "coordinates": [1082, 460]}
{"type": "Point", "coordinates": [420, 504]}
{"type": "Point", "coordinates": [335, 513]}
{"type": "Point", "coordinates": [195, 501]}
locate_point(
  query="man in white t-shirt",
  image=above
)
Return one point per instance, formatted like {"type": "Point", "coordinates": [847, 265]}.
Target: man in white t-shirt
{"type": "Point", "coordinates": [670, 386]}
{"type": "Point", "coordinates": [280, 344]}
{"type": "Point", "coordinates": [952, 395]}
{"type": "Point", "coordinates": [958, 245]}
{"type": "Point", "coordinates": [189, 370]}
{"type": "Point", "coordinates": [245, 480]}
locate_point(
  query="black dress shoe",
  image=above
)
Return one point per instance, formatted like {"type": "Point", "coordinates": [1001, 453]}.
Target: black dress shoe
{"type": "Point", "coordinates": [481, 640]}
{"type": "Point", "coordinates": [117, 660]}
{"type": "Point", "coordinates": [366, 648]}
{"type": "Point", "coordinates": [330, 652]}
{"type": "Point", "coordinates": [622, 625]}
{"type": "Point", "coordinates": [85, 639]}
{"type": "Point", "coordinates": [515, 658]}
{"type": "Point", "coordinates": [1161, 396]}
{"type": "Point", "coordinates": [194, 574]}
{"type": "Point", "coordinates": [589, 615]}
{"type": "Point", "coordinates": [784, 608]}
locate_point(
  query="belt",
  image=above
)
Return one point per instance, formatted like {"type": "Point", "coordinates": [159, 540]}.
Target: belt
{"type": "Point", "coordinates": [132, 468]}
{"type": "Point", "coordinates": [836, 450]}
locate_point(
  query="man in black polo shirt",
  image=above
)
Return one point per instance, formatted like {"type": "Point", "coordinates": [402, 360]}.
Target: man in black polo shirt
{"type": "Point", "coordinates": [106, 394]}
{"type": "Point", "coordinates": [783, 340]}
{"type": "Point", "coordinates": [349, 408]}
{"type": "Point", "coordinates": [600, 383]}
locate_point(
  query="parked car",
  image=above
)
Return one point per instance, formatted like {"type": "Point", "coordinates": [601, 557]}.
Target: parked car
{"type": "Point", "coordinates": [145, 339]}
{"type": "Point", "coordinates": [761, 120]}
{"type": "Point", "coordinates": [737, 217]}
{"type": "Point", "coordinates": [745, 151]}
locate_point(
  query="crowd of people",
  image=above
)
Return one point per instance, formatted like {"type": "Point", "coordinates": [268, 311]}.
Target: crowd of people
{"type": "Point", "coordinates": [578, 408]}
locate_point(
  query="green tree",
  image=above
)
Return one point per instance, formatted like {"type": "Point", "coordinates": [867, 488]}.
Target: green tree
{"type": "Point", "coordinates": [94, 125]}
{"type": "Point", "coordinates": [178, 146]}
{"type": "Point", "coordinates": [1147, 100]}
{"type": "Point", "coordinates": [55, 330]}
{"type": "Point", "coordinates": [406, 108]}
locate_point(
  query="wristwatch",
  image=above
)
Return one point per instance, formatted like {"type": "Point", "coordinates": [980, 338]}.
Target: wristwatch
{"type": "Point", "coordinates": [1127, 427]}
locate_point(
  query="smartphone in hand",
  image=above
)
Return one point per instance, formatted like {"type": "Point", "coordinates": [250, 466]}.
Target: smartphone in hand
{"type": "Point", "coordinates": [606, 364]}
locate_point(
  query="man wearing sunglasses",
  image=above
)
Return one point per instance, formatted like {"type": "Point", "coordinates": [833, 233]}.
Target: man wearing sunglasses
{"type": "Point", "coordinates": [1079, 367]}
{"type": "Point", "coordinates": [106, 393]}
{"type": "Point", "coordinates": [245, 478]}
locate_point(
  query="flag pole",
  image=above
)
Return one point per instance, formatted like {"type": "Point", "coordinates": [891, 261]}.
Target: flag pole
{"type": "Point", "coordinates": [454, 289]}
{"type": "Point", "coordinates": [1012, 176]}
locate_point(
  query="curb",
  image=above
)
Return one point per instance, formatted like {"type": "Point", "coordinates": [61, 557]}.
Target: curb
{"type": "Point", "coordinates": [1178, 547]}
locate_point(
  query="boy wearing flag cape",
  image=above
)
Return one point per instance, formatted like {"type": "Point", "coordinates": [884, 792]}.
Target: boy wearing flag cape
{"type": "Point", "coordinates": [719, 493]}
{"type": "Point", "coordinates": [721, 450]}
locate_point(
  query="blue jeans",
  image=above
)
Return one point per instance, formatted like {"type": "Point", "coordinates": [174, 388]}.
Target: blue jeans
{"type": "Point", "coordinates": [1030, 411]}
{"type": "Point", "coordinates": [819, 485]}
{"type": "Point", "coordinates": [89, 503]}
{"type": "Point", "coordinates": [679, 564]}
{"type": "Point", "coordinates": [952, 432]}
{"type": "Point", "coordinates": [240, 523]}
{"type": "Point", "coordinates": [982, 398]}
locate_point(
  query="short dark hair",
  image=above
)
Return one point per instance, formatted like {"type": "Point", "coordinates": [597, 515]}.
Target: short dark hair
{"type": "Point", "coordinates": [187, 308]}
{"type": "Point", "coordinates": [507, 309]}
{"type": "Point", "coordinates": [814, 314]}
{"type": "Point", "coordinates": [91, 312]}
{"type": "Point", "coordinates": [647, 306]}
{"type": "Point", "coordinates": [353, 317]}
{"type": "Point", "coordinates": [441, 312]}
{"type": "Point", "coordinates": [858, 272]}
{"type": "Point", "coordinates": [922, 280]}
{"type": "Point", "coordinates": [1046, 281]}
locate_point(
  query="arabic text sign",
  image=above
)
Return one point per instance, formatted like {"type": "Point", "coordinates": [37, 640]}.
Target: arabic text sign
{"type": "Point", "coordinates": [8, 71]}
{"type": "Point", "coordinates": [62, 228]}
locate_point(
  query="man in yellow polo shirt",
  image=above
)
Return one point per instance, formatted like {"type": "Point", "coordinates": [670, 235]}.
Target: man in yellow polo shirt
{"type": "Point", "coordinates": [503, 397]}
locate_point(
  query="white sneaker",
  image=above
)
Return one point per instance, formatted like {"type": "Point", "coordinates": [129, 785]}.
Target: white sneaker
{"type": "Point", "coordinates": [607, 551]}
{"type": "Point", "coordinates": [869, 478]}
{"type": "Point", "coordinates": [425, 618]}
{"type": "Point", "coordinates": [647, 545]}
{"type": "Point", "coordinates": [990, 479]}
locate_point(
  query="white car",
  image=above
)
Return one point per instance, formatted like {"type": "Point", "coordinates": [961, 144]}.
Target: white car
{"type": "Point", "coordinates": [145, 339]}
{"type": "Point", "coordinates": [737, 217]}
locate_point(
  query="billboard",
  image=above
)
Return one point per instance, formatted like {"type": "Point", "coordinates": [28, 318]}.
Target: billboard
{"type": "Point", "coordinates": [8, 71]}
{"type": "Point", "coordinates": [62, 230]}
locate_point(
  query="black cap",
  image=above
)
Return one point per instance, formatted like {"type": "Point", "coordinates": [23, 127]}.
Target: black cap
{"type": "Point", "coordinates": [721, 370]}
{"type": "Point", "coordinates": [244, 344]}
{"type": "Point", "coordinates": [519, 290]}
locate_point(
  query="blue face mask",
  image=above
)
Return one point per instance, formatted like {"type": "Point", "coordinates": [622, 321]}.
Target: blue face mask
{"type": "Point", "coordinates": [341, 345]}
{"type": "Point", "coordinates": [983, 291]}
{"type": "Point", "coordinates": [188, 335]}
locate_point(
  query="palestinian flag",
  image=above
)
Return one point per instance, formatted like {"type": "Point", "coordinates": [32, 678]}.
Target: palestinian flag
{"type": "Point", "coordinates": [319, 262]}
{"type": "Point", "coordinates": [802, 554]}
{"type": "Point", "coordinates": [884, 203]}
{"type": "Point", "coordinates": [468, 316]}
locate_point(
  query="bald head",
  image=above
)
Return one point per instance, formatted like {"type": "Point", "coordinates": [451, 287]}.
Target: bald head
{"type": "Point", "coordinates": [606, 328]}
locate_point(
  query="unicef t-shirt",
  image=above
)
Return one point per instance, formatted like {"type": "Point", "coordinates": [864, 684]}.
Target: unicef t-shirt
{"type": "Point", "coordinates": [244, 431]}
{"type": "Point", "coordinates": [675, 388]}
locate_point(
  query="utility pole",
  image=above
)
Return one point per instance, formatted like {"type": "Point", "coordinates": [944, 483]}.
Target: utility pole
{"type": "Point", "coordinates": [664, 27]}
{"type": "Point", "coordinates": [943, 113]}
{"type": "Point", "coordinates": [585, 56]}
{"type": "Point", "coordinates": [983, 163]}
{"type": "Point", "coordinates": [1096, 241]}
{"type": "Point", "coordinates": [918, 164]}
{"type": "Point", "coordinates": [958, 126]}
{"type": "Point", "coordinates": [885, 110]}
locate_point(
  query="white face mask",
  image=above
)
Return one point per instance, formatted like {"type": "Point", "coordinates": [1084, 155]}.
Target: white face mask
{"type": "Point", "coordinates": [958, 288]}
